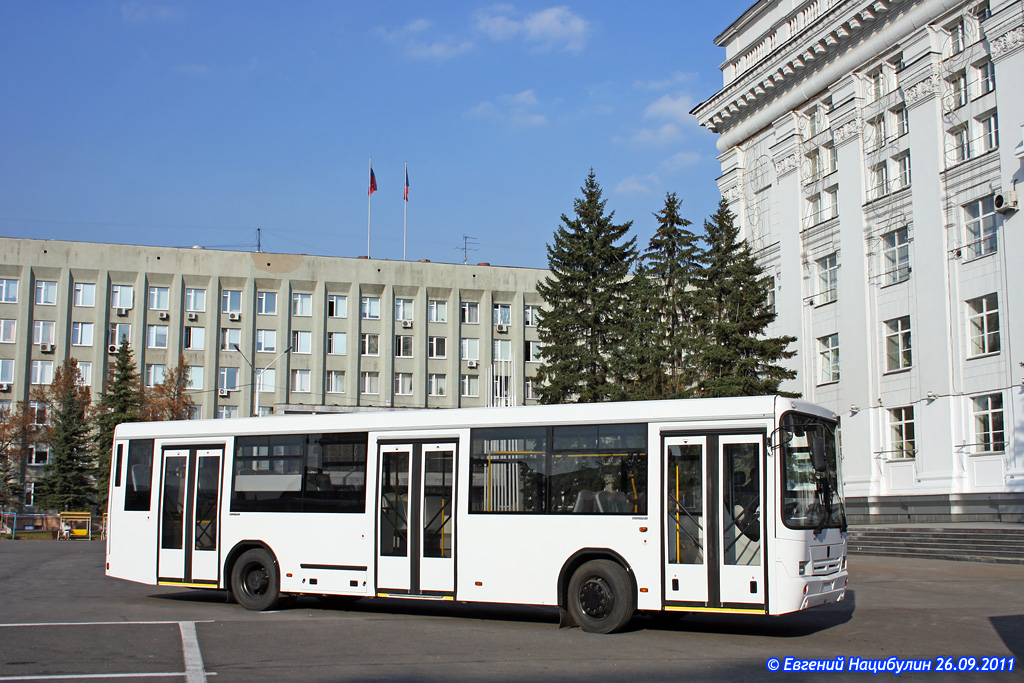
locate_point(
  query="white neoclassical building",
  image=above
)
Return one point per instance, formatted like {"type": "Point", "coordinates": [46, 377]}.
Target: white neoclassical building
{"type": "Point", "coordinates": [872, 150]}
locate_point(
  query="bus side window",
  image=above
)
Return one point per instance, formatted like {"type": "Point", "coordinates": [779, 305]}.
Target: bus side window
{"type": "Point", "coordinates": [139, 475]}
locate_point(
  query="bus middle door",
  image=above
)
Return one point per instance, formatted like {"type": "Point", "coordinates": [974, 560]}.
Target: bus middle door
{"type": "Point", "coordinates": [189, 538]}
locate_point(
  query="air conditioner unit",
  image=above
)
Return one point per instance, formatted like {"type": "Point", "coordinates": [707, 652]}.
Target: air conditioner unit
{"type": "Point", "coordinates": [193, 316]}
{"type": "Point", "coordinates": [46, 348]}
{"type": "Point", "coordinates": [112, 348]}
{"type": "Point", "coordinates": [234, 317]}
{"type": "Point", "coordinates": [224, 393]}
{"type": "Point", "coordinates": [1006, 201]}
{"type": "Point", "coordinates": [472, 364]}
{"type": "Point", "coordinates": [122, 312]}
{"type": "Point", "coordinates": [163, 315]}
{"type": "Point", "coordinates": [4, 386]}
{"type": "Point", "coordinates": [406, 324]}
{"type": "Point", "coordinates": [502, 329]}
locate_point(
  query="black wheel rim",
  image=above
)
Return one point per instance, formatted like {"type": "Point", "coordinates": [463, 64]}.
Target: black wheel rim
{"type": "Point", "coordinates": [255, 579]}
{"type": "Point", "coordinates": [596, 597]}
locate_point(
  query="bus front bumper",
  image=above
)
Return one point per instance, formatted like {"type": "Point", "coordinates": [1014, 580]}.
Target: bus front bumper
{"type": "Point", "coordinates": [824, 590]}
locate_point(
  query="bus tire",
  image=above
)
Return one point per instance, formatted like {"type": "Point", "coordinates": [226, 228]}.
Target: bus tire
{"type": "Point", "coordinates": [254, 580]}
{"type": "Point", "coordinates": [600, 597]}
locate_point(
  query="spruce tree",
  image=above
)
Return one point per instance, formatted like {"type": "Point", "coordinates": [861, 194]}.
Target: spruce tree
{"type": "Point", "coordinates": [673, 260]}
{"type": "Point", "coordinates": [121, 401]}
{"type": "Point", "coordinates": [582, 326]}
{"type": "Point", "coordinates": [729, 352]}
{"type": "Point", "coordinates": [13, 430]}
{"type": "Point", "coordinates": [67, 476]}
{"type": "Point", "coordinates": [639, 364]}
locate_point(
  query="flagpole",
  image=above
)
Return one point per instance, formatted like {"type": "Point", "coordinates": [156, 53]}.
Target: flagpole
{"type": "Point", "coordinates": [405, 213]}
{"type": "Point", "coordinates": [369, 197]}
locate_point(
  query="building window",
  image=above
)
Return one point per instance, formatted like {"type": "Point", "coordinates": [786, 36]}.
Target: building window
{"type": "Point", "coordinates": [502, 314]}
{"type": "Point", "coordinates": [828, 354]}
{"type": "Point", "coordinates": [982, 227]}
{"type": "Point", "coordinates": [533, 354]}
{"type": "Point", "coordinates": [989, 436]}
{"type": "Point", "coordinates": [470, 313]}
{"type": "Point", "coordinates": [266, 340]}
{"type": "Point", "coordinates": [370, 308]}
{"type": "Point", "coordinates": [335, 381]}
{"type": "Point", "coordinates": [902, 117]}
{"type": "Point", "coordinates": [369, 345]}
{"type": "Point", "coordinates": [876, 129]}
{"type": "Point", "coordinates": [983, 324]}
{"type": "Point", "coordinates": [118, 332]}
{"type": "Point", "coordinates": [814, 212]}
{"type": "Point", "coordinates": [85, 294]}
{"type": "Point", "coordinates": [989, 126]}
{"type": "Point", "coordinates": [437, 385]}
{"type": "Point", "coordinates": [403, 346]}
{"type": "Point", "coordinates": [195, 377]}
{"type": "Point", "coordinates": [266, 303]}
{"type": "Point", "coordinates": [228, 379]}
{"type": "Point", "coordinates": [195, 300]}
{"type": "Point", "coordinates": [337, 343]}
{"type": "Point", "coordinates": [470, 349]}
{"type": "Point", "coordinates": [230, 337]}
{"type": "Point", "coordinates": [403, 383]}
{"type": "Point", "coordinates": [155, 374]}
{"type": "Point", "coordinates": [195, 338]}
{"type": "Point", "coordinates": [231, 301]}
{"type": "Point", "coordinates": [828, 278]}
{"type": "Point", "coordinates": [958, 89]}
{"type": "Point", "coordinates": [502, 349]}
{"type": "Point", "coordinates": [227, 412]}
{"type": "Point", "coordinates": [8, 291]}
{"type": "Point", "coordinates": [85, 372]}
{"type": "Point", "coordinates": [301, 381]}
{"type": "Point", "coordinates": [470, 385]}
{"type": "Point", "coordinates": [8, 331]}
{"type": "Point", "coordinates": [403, 309]}
{"type": "Point", "coordinates": [156, 336]}
{"type": "Point", "coordinates": [876, 85]}
{"type": "Point", "coordinates": [896, 254]}
{"type": "Point", "coordinates": [42, 372]}
{"type": "Point", "coordinates": [437, 347]}
{"type": "Point", "coordinates": [266, 381]}
{"type": "Point", "coordinates": [530, 389]}
{"type": "Point", "coordinates": [986, 78]}
{"type": "Point", "coordinates": [302, 305]}
{"type": "Point", "coordinates": [196, 412]}
{"type": "Point", "coordinates": [898, 355]}
{"type": "Point", "coordinates": [956, 37]}
{"type": "Point", "coordinates": [44, 331]}
{"type": "Point", "coordinates": [903, 171]}
{"type": "Point", "coordinates": [159, 298]}
{"type": "Point", "coordinates": [302, 341]}
{"type": "Point", "coordinates": [831, 207]}
{"type": "Point", "coordinates": [38, 455]}
{"type": "Point", "coordinates": [531, 315]}
{"type": "Point", "coordinates": [46, 293]}
{"type": "Point", "coordinates": [961, 143]}
{"type": "Point", "coordinates": [437, 311]}
{"type": "Point", "coordinates": [7, 373]}
{"type": "Point", "coordinates": [37, 413]}
{"type": "Point", "coordinates": [879, 181]}
{"type": "Point", "coordinates": [901, 432]}
{"type": "Point", "coordinates": [337, 306]}
{"type": "Point", "coordinates": [369, 383]}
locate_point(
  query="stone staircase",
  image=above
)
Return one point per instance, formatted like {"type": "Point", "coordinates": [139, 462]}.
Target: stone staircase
{"type": "Point", "coordinates": [968, 544]}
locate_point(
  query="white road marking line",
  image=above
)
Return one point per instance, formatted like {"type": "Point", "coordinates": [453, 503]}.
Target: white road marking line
{"type": "Point", "coordinates": [64, 677]}
{"type": "Point", "coordinates": [194, 671]}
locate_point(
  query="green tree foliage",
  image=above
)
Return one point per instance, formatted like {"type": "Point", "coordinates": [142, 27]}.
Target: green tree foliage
{"type": "Point", "coordinates": [13, 429]}
{"type": "Point", "coordinates": [582, 326]}
{"type": "Point", "coordinates": [67, 477]}
{"type": "Point", "coordinates": [121, 401]}
{"type": "Point", "coordinates": [728, 351]}
{"type": "Point", "coordinates": [673, 262]}
{"type": "Point", "coordinates": [639, 364]}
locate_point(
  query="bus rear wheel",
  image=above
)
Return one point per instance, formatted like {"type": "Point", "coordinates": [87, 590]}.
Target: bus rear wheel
{"type": "Point", "coordinates": [254, 580]}
{"type": "Point", "coordinates": [601, 598]}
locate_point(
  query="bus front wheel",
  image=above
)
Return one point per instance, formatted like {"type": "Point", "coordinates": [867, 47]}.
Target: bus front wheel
{"type": "Point", "coordinates": [600, 597]}
{"type": "Point", "coordinates": [254, 580]}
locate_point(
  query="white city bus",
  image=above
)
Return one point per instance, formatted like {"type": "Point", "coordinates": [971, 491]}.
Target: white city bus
{"type": "Point", "coordinates": [721, 505]}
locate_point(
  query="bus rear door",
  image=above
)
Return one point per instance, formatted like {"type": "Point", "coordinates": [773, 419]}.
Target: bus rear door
{"type": "Point", "coordinates": [189, 535]}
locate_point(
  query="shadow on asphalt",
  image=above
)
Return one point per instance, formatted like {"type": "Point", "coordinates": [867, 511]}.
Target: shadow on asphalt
{"type": "Point", "coordinates": [1011, 630]}
{"type": "Point", "coordinates": [786, 626]}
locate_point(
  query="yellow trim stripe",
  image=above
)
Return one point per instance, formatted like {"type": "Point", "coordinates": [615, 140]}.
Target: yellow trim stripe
{"type": "Point", "coordinates": [724, 610]}
{"type": "Point", "coordinates": [417, 597]}
{"type": "Point", "coordinates": [186, 583]}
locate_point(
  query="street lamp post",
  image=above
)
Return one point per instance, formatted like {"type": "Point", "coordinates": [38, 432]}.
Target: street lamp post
{"type": "Point", "coordinates": [259, 375]}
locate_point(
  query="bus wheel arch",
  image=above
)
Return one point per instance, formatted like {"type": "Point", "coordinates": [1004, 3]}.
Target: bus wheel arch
{"type": "Point", "coordinates": [587, 580]}
{"type": "Point", "coordinates": [253, 575]}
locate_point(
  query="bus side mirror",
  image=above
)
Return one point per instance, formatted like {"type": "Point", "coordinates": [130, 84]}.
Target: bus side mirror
{"type": "Point", "coordinates": [818, 453]}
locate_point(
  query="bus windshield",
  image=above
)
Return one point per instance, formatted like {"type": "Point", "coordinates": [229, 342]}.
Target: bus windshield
{"type": "Point", "coordinates": [810, 499]}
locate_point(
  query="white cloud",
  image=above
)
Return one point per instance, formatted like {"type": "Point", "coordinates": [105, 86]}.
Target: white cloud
{"type": "Point", "coordinates": [637, 184]}
{"type": "Point", "coordinates": [672, 107]}
{"type": "Point", "coordinates": [666, 134]}
{"type": "Point", "coordinates": [139, 13]}
{"type": "Point", "coordinates": [680, 160]}
{"type": "Point", "coordinates": [518, 109]}
{"type": "Point", "coordinates": [548, 29]}
{"type": "Point", "coordinates": [675, 78]}
{"type": "Point", "coordinates": [410, 39]}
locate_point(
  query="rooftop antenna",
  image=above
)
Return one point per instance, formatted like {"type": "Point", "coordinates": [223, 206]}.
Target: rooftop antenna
{"type": "Point", "coordinates": [468, 244]}
{"type": "Point", "coordinates": [259, 241]}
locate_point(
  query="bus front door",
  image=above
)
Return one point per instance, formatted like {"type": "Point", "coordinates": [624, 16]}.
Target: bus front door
{"type": "Point", "coordinates": [189, 538]}
{"type": "Point", "coordinates": [714, 554]}
{"type": "Point", "coordinates": [416, 522]}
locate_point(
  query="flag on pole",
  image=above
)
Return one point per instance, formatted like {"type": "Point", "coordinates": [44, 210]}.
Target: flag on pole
{"type": "Point", "coordinates": [373, 182]}
{"type": "Point", "coordinates": [406, 183]}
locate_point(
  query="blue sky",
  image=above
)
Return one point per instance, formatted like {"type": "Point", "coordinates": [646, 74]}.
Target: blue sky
{"type": "Point", "coordinates": [182, 123]}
